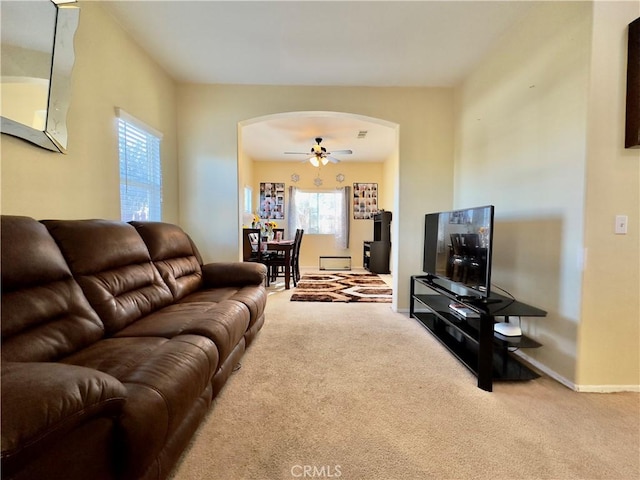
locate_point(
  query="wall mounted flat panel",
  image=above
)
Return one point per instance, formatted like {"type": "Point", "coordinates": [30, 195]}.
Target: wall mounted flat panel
{"type": "Point", "coordinates": [632, 132]}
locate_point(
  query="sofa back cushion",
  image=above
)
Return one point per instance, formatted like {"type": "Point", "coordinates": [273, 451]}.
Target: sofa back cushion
{"type": "Point", "coordinates": [45, 315]}
{"type": "Point", "coordinates": [174, 255]}
{"type": "Point", "coordinates": [111, 264]}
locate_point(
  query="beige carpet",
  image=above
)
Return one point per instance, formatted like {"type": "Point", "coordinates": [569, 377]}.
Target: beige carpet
{"type": "Point", "coordinates": [355, 391]}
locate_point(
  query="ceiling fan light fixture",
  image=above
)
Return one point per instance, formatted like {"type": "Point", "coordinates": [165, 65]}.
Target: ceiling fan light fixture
{"type": "Point", "coordinates": [320, 155]}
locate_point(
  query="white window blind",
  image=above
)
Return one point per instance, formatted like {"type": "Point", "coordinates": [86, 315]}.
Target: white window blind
{"type": "Point", "coordinates": [140, 170]}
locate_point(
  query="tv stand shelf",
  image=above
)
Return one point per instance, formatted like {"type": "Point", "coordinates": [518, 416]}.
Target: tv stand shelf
{"type": "Point", "coordinates": [472, 340]}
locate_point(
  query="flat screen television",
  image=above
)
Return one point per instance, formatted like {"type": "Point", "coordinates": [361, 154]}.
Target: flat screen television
{"type": "Point", "coordinates": [457, 251]}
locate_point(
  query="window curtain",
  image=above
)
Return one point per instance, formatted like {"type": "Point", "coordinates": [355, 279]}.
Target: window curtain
{"type": "Point", "coordinates": [343, 219]}
{"type": "Point", "coordinates": [290, 231]}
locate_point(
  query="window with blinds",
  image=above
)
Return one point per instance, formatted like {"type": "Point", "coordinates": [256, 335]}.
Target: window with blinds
{"type": "Point", "coordinates": [140, 170]}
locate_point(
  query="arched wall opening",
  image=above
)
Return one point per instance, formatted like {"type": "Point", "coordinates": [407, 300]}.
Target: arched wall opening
{"type": "Point", "coordinates": [263, 140]}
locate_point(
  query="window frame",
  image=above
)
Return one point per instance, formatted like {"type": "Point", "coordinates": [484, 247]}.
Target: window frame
{"type": "Point", "coordinates": [307, 228]}
{"type": "Point", "coordinates": [152, 181]}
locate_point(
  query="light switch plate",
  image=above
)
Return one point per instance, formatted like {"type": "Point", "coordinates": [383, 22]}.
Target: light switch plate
{"type": "Point", "coordinates": [621, 224]}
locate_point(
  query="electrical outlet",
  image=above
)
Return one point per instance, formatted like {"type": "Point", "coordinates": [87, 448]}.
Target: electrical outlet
{"type": "Point", "coordinates": [621, 224]}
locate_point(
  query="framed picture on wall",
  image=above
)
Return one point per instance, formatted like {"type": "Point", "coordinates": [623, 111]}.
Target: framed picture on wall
{"type": "Point", "coordinates": [272, 200]}
{"type": "Point", "coordinates": [365, 200]}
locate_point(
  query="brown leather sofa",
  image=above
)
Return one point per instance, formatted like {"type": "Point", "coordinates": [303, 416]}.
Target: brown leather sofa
{"type": "Point", "coordinates": [115, 340]}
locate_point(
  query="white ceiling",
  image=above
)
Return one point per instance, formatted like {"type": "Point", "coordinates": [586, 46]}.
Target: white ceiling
{"type": "Point", "coordinates": [268, 139]}
{"type": "Point", "coordinates": [334, 43]}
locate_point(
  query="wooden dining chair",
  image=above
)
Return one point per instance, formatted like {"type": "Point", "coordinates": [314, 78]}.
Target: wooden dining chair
{"type": "Point", "coordinates": [276, 264]}
{"type": "Point", "coordinates": [457, 262]}
{"type": "Point", "coordinates": [465, 264]}
{"type": "Point", "coordinates": [295, 258]}
{"type": "Point", "coordinates": [251, 244]}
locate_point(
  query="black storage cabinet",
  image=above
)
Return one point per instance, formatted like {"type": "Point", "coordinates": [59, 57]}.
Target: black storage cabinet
{"type": "Point", "coordinates": [376, 253]}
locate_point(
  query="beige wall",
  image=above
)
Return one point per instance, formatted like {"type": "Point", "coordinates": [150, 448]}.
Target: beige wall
{"type": "Point", "coordinates": [245, 179]}
{"type": "Point", "coordinates": [209, 172]}
{"type": "Point", "coordinates": [316, 245]}
{"type": "Point", "coordinates": [523, 145]}
{"type": "Point", "coordinates": [609, 337]}
{"type": "Point", "coordinates": [110, 71]}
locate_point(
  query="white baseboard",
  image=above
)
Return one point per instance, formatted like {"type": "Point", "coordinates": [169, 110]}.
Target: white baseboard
{"type": "Point", "coordinates": [546, 370]}
{"type": "Point", "coordinates": [565, 381]}
{"type": "Point", "coordinates": [573, 386]}
{"type": "Point", "coordinates": [608, 388]}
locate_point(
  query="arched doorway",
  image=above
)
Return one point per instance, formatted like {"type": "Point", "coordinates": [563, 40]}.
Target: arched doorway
{"type": "Point", "coordinates": [263, 140]}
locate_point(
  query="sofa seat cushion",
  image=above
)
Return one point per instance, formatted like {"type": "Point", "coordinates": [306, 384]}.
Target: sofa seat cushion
{"type": "Point", "coordinates": [224, 323]}
{"type": "Point", "coordinates": [163, 378]}
{"type": "Point", "coordinates": [253, 297]}
{"type": "Point", "coordinates": [45, 315]}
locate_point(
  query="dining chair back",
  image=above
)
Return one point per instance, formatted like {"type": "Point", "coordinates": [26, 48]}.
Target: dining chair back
{"type": "Point", "coordinates": [295, 255]}
{"type": "Point", "coordinates": [457, 259]}
{"type": "Point", "coordinates": [277, 231]}
{"type": "Point", "coordinates": [251, 244]}
{"type": "Point", "coordinates": [465, 262]}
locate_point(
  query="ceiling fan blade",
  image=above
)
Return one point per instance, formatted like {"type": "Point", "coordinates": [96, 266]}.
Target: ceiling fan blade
{"type": "Point", "coordinates": [296, 153]}
{"type": "Point", "coordinates": [342, 151]}
{"type": "Point", "coordinates": [333, 159]}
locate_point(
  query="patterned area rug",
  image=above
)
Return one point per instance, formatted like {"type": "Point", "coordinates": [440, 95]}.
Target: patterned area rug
{"type": "Point", "coordinates": [342, 287]}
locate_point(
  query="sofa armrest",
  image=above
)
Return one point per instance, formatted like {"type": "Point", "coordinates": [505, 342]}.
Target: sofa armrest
{"type": "Point", "coordinates": [221, 274]}
{"type": "Point", "coordinates": [41, 402]}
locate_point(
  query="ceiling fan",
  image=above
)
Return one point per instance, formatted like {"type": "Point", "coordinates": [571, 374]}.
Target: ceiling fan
{"type": "Point", "coordinates": [320, 154]}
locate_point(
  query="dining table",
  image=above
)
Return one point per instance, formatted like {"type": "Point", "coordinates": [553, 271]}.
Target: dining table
{"type": "Point", "coordinates": [285, 246]}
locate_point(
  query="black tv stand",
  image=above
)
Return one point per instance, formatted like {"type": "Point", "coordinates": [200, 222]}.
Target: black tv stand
{"type": "Point", "coordinates": [466, 298]}
{"type": "Point", "coordinates": [479, 301]}
{"type": "Point", "coordinates": [472, 339]}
